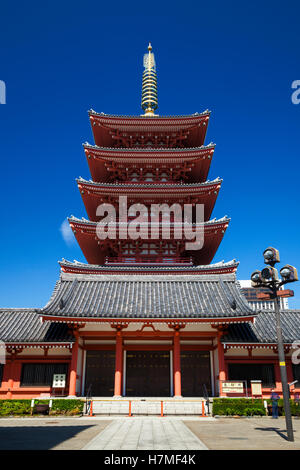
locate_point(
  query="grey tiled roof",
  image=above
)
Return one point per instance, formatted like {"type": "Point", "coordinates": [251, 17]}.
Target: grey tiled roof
{"type": "Point", "coordinates": [264, 329]}
{"type": "Point", "coordinates": [144, 268]}
{"type": "Point", "coordinates": [25, 326]}
{"type": "Point", "coordinates": [148, 296]}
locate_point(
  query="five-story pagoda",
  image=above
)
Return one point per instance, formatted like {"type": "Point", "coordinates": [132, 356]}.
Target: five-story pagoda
{"type": "Point", "coordinates": [149, 310]}
{"type": "Point", "coordinates": [146, 314]}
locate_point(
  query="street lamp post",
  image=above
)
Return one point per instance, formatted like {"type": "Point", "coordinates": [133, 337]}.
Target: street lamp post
{"type": "Point", "coordinates": [268, 277]}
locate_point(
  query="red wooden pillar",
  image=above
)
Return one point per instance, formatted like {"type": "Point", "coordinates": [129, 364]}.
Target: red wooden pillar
{"type": "Point", "coordinates": [222, 371]}
{"type": "Point", "coordinates": [118, 366]}
{"type": "Point", "coordinates": [9, 372]}
{"type": "Point", "coordinates": [73, 367]}
{"type": "Point", "coordinates": [278, 384]}
{"type": "Point", "coordinates": [176, 365]}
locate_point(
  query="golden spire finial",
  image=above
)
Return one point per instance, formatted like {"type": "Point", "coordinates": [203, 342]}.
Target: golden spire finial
{"type": "Point", "coordinates": [149, 88]}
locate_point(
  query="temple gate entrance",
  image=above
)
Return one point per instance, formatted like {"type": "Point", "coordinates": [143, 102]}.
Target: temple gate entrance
{"type": "Point", "coordinates": [195, 372]}
{"type": "Point", "coordinates": [148, 373]}
{"type": "Point", "coordinates": [100, 373]}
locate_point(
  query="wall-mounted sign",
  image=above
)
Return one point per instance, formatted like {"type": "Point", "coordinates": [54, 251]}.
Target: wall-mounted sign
{"type": "Point", "coordinates": [59, 381]}
{"type": "Point", "coordinates": [232, 387]}
{"type": "Point", "coordinates": [256, 388]}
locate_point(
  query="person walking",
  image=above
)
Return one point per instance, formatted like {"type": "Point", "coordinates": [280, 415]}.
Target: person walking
{"type": "Point", "coordinates": [274, 397]}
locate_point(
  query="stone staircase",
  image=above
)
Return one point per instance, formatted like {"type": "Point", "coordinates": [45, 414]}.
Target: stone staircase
{"type": "Point", "coordinates": [148, 407]}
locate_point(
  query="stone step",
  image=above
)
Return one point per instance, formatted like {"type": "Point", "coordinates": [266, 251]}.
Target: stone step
{"type": "Point", "coordinates": [119, 407]}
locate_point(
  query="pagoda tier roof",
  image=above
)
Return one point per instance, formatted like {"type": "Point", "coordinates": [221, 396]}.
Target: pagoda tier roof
{"type": "Point", "coordinates": [157, 297]}
{"type": "Point", "coordinates": [23, 325]}
{"type": "Point", "coordinates": [110, 153]}
{"type": "Point", "coordinates": [22, 328]}
{"type": "Point", "coordinates": [96, 250]}
{"type": "Point", "coordinates": [203, 193]}
{"type": "Point", "coordinates": [263, 330]}
{"type": "Point", "coordinates": [92, 112]}
{"type": "Point", "coordinates": [148, 187]}
{"type": "Point", "coordinates": [102, 160]}
{"type": "Point", "coordinates": [83, 268]}
{"type": "Point", "coordinates": [85, 222]}
{"type": "Point", "coordinates": [103, 125]}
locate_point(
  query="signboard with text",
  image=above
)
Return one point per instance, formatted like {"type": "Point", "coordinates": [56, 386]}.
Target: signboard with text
{"type": "Point", "coordinates": [233, 387]}
{"type": "Point", "coordinates": [256, 388]}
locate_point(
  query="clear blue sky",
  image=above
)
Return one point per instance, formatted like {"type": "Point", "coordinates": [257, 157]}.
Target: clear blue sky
{"type": "Point", "coordinates": [58, 59]}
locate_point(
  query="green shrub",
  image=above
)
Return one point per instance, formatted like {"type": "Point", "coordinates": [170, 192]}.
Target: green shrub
{"type": "Point", "coordinates": [14, 407]}
{"type": "Point", "coordinates": [248, 407]}
{"type": "Point", "coordinates": [68, 405]}
{"type": "Point", "coordinates": [238, 407]}
{"type": "Point", "coordinates": [23, 407]}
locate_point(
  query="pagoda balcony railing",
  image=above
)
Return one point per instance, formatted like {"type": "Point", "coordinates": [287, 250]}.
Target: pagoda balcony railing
{"type": "Point", "coordinates": [152, 181]}
{"type": "Point", "coordinates": [154, 260]}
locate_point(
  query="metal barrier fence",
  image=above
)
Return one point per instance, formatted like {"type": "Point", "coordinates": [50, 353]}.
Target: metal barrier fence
{"type": "Point", "coordinates": [90, 405]}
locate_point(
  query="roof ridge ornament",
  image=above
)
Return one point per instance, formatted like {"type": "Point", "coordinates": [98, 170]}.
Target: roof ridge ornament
{"type": "Point", "coordinates": [149, 86]}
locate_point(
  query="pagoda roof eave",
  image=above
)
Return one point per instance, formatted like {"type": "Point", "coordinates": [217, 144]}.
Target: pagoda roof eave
{"type": "Point", "coordinates": [179, 150]}
{"type": "Point", "coordinates": [212, 222]}
{"type": "Point", "coordinates": [150, 186]}
{"type": "Point", "coordinates": [96, 250]}
{"type": "Point", "coordinates": [102, 297]}
{"type": "Point", "coordinates": [92, 112]}
{"type": "Point", "coordinates": [103, 125]}
{"type": "Point", "coordinates": [168, 320]}
{"type": "Point", "coordinates": [263, 332]}
{"type": "Point", "coordinates": [22, 326]}
{"type": "Point", "coordinates": [214, 268]}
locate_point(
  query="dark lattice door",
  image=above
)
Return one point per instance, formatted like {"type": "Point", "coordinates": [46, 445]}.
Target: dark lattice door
{"type": "Point", "coordinates": [148, 373]}
{"type": "Point", "coordinates": [195, 372]}
{"type": "Point", "coordinates": [100, 373]}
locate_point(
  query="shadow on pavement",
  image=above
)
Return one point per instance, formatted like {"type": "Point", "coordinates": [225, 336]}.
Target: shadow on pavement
{"type": "Point", "coordinates": [37, 437]}
{"type": "Point", "coordinates": [279, 432]}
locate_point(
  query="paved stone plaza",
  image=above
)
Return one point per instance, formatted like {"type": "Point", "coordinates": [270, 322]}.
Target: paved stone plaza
{"type": "Point", "coordinates": [146, 433]}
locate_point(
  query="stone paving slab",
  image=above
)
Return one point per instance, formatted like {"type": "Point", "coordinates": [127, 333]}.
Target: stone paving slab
{"type": "Point", "coordinates": [255, 433]}
{"type": "Point", "coordinates": [146, 434]}
{"type": "Point", "coordinates": [48, 433]}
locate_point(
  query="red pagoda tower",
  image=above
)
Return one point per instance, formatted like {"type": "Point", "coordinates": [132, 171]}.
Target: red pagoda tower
{"type": "Point", "coordinates": [150, 160]}
{"type": "Point", "coordinates": [147, 314]}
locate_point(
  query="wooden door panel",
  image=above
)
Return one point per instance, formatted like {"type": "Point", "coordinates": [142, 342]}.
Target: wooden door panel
{"type": "Point", "coordinates": [148, 373]}
{"type": "Point", "coordinates": [100, 373]}
{"type": "Point", "coordinates": [195, 372]}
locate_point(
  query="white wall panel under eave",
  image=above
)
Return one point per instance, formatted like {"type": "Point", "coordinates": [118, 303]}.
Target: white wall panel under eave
{"type": "Point", "coordinates": [59, 352]}
{"type": "Point", "coordinates": [263, 352]}
{"type": "Point", "coordinates": [231, 352]}
{"type": "Point", "coordinates": [31, 352]}
{"type": "Point", "coordinates": [91, 342]}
